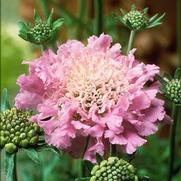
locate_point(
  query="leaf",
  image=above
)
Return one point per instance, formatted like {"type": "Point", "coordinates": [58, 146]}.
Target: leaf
{"type": "Point", "coordinates": [83, 179]}
{"type": "Point", "coordinates": [145, 178]}
{"type": "Point", "coordinates": [161, 80]}
{"type": "Point", "coordinates": [152, 19]}
{"type": "Point", "coordinates": [9, 166]}
{"type": "Point", "coordinates": [4, 100]}
{"type": "Point", "coordinates": [177, 74]}
{"type": "Point", "coordinates": [49, 21]}
{"type": "Point", "coordinates": [32, 154]}
{"type": "Point", "coordinates": [37, 18]}
{"type": "Point", "coordinates": [145, 10]}
{"type": "Point", "coordinates": [49, 148]}
{"type": "Point", "coordinates": [58, 23]}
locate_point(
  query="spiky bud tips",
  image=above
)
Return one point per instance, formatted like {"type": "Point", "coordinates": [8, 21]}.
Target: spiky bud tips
{"type": "Point", "coordinates": [137, 19]}
{"type": "Point", "coordinates": [113, 169]}
{"type": "Point", "coordinates": [173, 90]}
{"type": "Point", "coordinates": [17, 130]}
{"type": "Point", "coordinates": [41, 33]}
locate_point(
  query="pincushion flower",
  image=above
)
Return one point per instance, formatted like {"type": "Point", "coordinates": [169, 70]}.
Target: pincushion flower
{"type": "Point", "coordinates": [93, 92]}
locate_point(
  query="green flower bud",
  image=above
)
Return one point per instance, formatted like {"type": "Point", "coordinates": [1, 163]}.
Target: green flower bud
{"type": "Point", "coordinates": [3, 141]}
{"type": "Point", "coordinates": [10, 148]}
{"type": "Point", "coordinates": [24, 143]}
{"type": "Point", "coordinates": [34, 140]}
{"type": "Point", "coordinates": [41, 32]}
{"type": "Point", "coordinates": [138, 20]}
{"type": "Point", "coordinates": [173, 90]}
{"type": "Point", "coordinates": [113, 169]}
{"type": "Point", "coordinates": [17, 130]}
{"type": "Point", "coordinates": [171, 86]}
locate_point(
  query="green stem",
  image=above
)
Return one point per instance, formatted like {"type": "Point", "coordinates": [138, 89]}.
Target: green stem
{"type": "Point", "coordinates": [45, 8]}
{"type": "Point", "coordinates": [131, 39]}
{"type": "Point", "coordinates": [172, 142]}
{"type": "Point", "coordinates": [15, 168]}
{"type": "Point", "coordinates": [98, 7]}
{"type": "Point", "coordinates": [81, 17]}
{"type": "Point", "coordinates": [86, 146]}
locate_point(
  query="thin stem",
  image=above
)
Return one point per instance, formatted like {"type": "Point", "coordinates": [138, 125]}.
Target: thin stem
{"type": "Point", "coordinates": [98, 7]}
{"type": "Point", "coordinates": [172, 142]}
{"type": "Point", "coordinates": [15, 168]}
{"type": "Point", "coordinates": [131, 39]}
{"type": "Point", "coordinates": [45, 8]}
{"type": "Point", "coordinates": [86, 146]}
{"type": "Point", "coordinates": [81, 16]}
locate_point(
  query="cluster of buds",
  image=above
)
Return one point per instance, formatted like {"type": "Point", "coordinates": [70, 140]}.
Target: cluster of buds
{"type": "Point", "coordinates": [17, 131]}
{"type": "Point", "coordinates": [171, 86]}
{"type": "Point", "coordinates": [138, 20]}
{"type": "Point", "coordinates": [41, 32]}
{"type": "Point", "coordinates": [113, 169]}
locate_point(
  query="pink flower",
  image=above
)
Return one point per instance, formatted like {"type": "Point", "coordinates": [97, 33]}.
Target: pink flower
{"type": "Point", "coordinates": [92, 92]}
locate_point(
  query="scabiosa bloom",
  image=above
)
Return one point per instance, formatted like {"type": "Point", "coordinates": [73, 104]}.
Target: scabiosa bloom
{"type": "Point", "coordinates": [92, 92]}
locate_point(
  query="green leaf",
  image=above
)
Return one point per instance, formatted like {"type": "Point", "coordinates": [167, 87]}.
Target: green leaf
{"type": "Point", "coordinates": [32, 154]}
{"type": "Point", "coordinates": [161, 79]}
{"type": "Point", "coordinates": [49, 20]}
{"type": "Point", "coordinates": [83, 179]}
{"type": "Point", "coordinates": [177, 74]}
{"type": "Point", "coordinates": [37, 18]}
{"type": "Point", "coordinates": [152, 19]}
{"type": "Point", "coordinates": [145, 10]}
{"type": "Point", "coordinates": [49, 148]}
{"type": "Point", "coordinates": [58, 23]}
{"type": "Point", "coordinates": [123, 12]}
{"type": "Point", "coordinates": [4, 100]}
{"type": "Point", "coordinates": [145, 178]}
{"type": "Point", "coordinates": [9, 166]}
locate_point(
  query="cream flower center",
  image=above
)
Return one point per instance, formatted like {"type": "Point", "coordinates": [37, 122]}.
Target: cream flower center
{"type": "Point", "coordinates": [96, 81]}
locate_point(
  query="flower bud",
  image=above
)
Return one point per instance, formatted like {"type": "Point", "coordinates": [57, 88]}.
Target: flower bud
{"type": "Point", "coordinates": [17, 130]}
{"type": "Point", "coordinates": [10, 148]}
{"type": "Point", "coordinates": [41, 32]}
{"type": "Point", "coordinates": [113, 169]}
{"type": "Point", "coordinates": [173, 90]}
{"type": "Point", "coordinates": [138, 20]}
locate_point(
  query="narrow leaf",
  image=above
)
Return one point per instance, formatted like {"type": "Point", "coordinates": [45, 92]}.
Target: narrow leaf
{"type": "Point", "coordinates": [4, 100]}
{"type": "Point", "coordinates": [145, 10]}
{"type": "Point", "coordinates": [153, 18]}
{"type": "Point", "coordinates": [177, 74]}
{"type": "Point", "coordinates": [49, 148]}
{"type": "Point", "coordinates": [37, 17]}
{"type": "Point", "coordinates": [32, 154]}
{"type": "Point", "coordinates": [158, 19]}
{"type": "Point", "coordinates": [9, 166]}
{"type": "Point", "coordinates": [58, 23]}
{"type": "Point", "coordinates": [83, 179]}
{"type": "Point", "coordinates": [49, 21]}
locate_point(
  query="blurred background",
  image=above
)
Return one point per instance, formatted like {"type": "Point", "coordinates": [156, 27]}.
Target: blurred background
{"type": "Point", "coordinates": [158, 46]}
